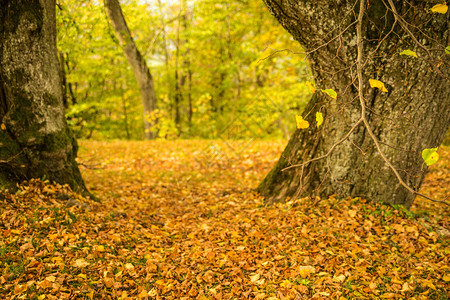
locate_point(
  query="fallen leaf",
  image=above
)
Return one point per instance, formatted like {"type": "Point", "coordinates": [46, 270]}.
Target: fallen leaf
{"type": "Point", "coordinates": [80, 263]}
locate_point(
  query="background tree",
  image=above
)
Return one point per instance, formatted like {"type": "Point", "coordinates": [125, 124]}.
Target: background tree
{"type": "Point", "coordinates": [137, 63]}
{"type": "Point", "coordinates": [35, 141]}
{"type": "Point", "coordinates": [365, 126]}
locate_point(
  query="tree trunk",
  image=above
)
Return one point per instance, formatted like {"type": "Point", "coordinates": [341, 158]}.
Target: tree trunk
{"type": "Point", "coordinates": [413, 115]}
{"type": "Point", "coordinates": [137, 63]}
{"type": "Point", "coordinates": [35, 141]}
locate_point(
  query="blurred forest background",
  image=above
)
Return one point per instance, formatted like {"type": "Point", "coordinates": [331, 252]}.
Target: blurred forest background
{"type": "Point", "coordinates": [214, 63]}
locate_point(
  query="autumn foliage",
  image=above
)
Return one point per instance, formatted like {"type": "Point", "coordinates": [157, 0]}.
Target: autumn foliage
{"type": "Point", "coordinates": [177, 220]}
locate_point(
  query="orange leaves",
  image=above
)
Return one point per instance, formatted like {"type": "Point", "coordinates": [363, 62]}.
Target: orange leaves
{"type": "Point", "coordinates": [175, 229]}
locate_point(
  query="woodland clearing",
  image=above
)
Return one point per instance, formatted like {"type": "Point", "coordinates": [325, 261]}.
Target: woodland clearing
{"type": "Point", "coordinates": [179, 220]}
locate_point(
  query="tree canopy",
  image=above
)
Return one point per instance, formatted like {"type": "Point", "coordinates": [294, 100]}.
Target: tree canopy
{"type": "Point", "coordinates": [217, 58]}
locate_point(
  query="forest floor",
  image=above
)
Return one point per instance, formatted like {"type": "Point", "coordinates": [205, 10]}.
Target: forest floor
{"type": "Point", "coordinates": [178, 220]}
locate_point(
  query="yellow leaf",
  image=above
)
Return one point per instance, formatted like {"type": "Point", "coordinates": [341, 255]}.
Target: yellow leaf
{"type": "Point", "coordinates": [340, 278]}
{"type": "Point", "coordinates": [254, 278]}
{"type": "Point", "coordinates": [352, 213]}
{"type": "Point", "coordinates": [143, 294]}
{"type": "Point", "coordinates": [3, 126]}
{"type": "Point", "coordinates": [440, 8]}
{"type": "Point", "coordinates": [285, 283]}
{"type": "Point", "coordinates": [446, 277]}
{"type": "Point", "coordinates": [377, 84]}
{"type": "Point", "coordinates": [319, 119]}
{"type": "Point", "coordinates": [81, 275]}
{"type": "Point", "coordinates": [406, 287]}
{"type": "Point", "coordinates": [41, 297]}
{"type": "Point", "coordinates": [51, 278]}
{"type": "Point", "coordinates": [430, 156]}
{"type": "Point", "coordinates": [80, 263]}
{"type": "Point", "coordinates": [409, 53]}
{"type": "Point", "coordinates": [100, 248]}
{"type": "Point", "coordinates": [45, 284]}
{"type": "Point", "coordinates": [330, 92]}
{"type": "Point", "coordinates": [301, 123]}
{"type": "Point", "coordinates": [304, 271]}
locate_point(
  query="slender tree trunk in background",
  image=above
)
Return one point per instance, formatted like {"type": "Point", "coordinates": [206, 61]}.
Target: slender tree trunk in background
{"type": "Point", "coordinates": [166, 56]}
{"type": "Point", "coordinates": [137, 63]}
{"type": "Point", "coordinates": [187, 70]}
{"type": "Point", "coordinates": [125, 114]}
{"type": "Point", "coordinates": [412, 116]}
{"type": "Point", "coordinates": [35, 141]}
{"type": "Point", "coordinates": [178, 94]}
{"type": "Point", "coordinates": [69, 84]}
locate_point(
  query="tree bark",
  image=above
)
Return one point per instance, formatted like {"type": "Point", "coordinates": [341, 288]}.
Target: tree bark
{"type": "Point", "coordinates": [137, 63]}
{"type": "Point", "coordinates": [413, 115]}
{"type": "Point", "coordinates": [35, 141]}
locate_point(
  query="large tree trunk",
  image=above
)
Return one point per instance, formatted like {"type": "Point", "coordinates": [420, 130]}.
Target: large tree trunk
{"type": "Point", "coordinates": [414, 114]}
{"type": "Point", "coordinates": [35, 141]}
{"type": "Point", "coordinates": [137, 63]}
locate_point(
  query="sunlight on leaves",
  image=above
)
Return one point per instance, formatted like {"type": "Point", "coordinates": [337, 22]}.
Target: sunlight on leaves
{"type": "Point", "coordinates": [301, 123]}
{"type": "Point", "coordinates": [430, 156]}
{"type": "Point", "coordinates": [447, 49]}
{"type": "Point", "coordinates": [409, 53]}
{"type": "Point", "coordinates": [440, 8]}
{"type": "Point", "coordinates": [330, 92]}
{"type": "Point", "coordinates": [377, 84]}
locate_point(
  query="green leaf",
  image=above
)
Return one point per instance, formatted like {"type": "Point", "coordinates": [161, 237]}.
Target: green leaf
{"type": "Point", "coordinates": [447, 49]}
{"type": "Point", "coordinates": [430, 156]}
{"type": "Point", "coordinates": [330, 92]}
{"type": "Point", "coordinates": [319, 119]}
{"type": "Point", "coordinates": [408, 52]}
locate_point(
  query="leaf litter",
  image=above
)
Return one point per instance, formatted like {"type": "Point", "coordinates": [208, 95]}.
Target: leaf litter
{"type": "Point", "coordinates": [172, 225]}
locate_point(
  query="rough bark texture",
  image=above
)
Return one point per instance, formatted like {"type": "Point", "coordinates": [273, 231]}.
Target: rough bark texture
{"type": "Point", "coordinates": [137, 63]}
{"type": "Point", "coordinates": [412, 116]}
{"type": "Point", "coordinates": [35, 141]}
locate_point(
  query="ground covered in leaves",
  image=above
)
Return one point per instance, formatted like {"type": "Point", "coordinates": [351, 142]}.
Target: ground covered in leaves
{"type": "Point", "coordinates": [178, 220]}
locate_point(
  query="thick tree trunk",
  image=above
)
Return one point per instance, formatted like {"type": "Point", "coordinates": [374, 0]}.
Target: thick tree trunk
{"type": "Point", "coordinates": [137, 63]}
{"type": "Point", "coordinates": [35, 141]}
{"type": "Point", "coordinates": [413, 115]}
